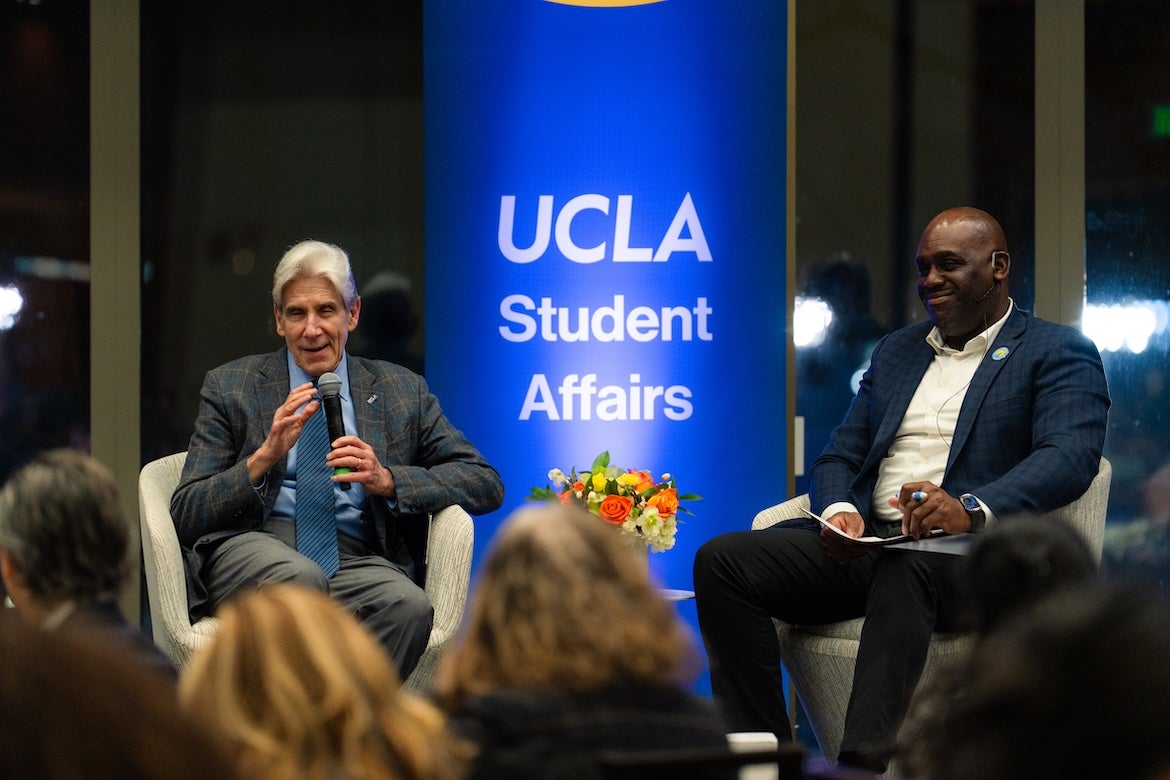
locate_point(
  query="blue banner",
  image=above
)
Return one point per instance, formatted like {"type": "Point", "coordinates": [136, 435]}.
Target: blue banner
{"type": "Point", "coordinates": [605, 238]}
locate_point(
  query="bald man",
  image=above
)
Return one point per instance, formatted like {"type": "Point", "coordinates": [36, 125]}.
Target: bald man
{"type": "Point", "coordinates": [983, 412]}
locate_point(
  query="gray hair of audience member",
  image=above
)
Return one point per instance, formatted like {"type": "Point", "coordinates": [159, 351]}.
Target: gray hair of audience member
{"type": "Point", "coordinates": [1017, 561]}
{"type": "Point", "coordinates": [62, 520]}
{"type": "Point", "coordinates": [315, 258]}
{"type": "Point", "coordinates": [1077, 686]}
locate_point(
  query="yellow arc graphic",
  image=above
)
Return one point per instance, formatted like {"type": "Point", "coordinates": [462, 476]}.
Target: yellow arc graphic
{"type": "Point", "coordinates": [605, 3]}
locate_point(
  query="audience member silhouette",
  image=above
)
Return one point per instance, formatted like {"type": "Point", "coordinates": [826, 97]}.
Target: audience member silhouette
{"type": "Point", "coordinates": [1077, 686]}
{"type": "Point", "coordinates": [568, 650]}
{"type": "Point", "coordinates": [300, 689]}
{"type": "Point", "coordinates": [74, 703]}
{"type": "Point", "coordinates": [1010, 568]}
{"type": "Point", "coordinates": [390, 321]}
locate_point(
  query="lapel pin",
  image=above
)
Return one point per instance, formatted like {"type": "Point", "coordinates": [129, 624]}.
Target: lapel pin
{"type": "Point", "coordinates": [371, 399]}
{"type": "Point", "coordinates": [1000, 353]}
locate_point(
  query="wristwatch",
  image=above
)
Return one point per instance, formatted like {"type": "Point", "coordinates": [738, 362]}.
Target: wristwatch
{"type": "Point", "coordinates": [974, 511]}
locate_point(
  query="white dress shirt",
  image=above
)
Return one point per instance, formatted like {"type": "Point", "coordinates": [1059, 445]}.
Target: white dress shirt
{"type": "Point", "coordinates": [922, 443]}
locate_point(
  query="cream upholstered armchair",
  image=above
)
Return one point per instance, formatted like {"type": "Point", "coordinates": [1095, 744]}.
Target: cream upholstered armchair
{"type": "Point", "coordinates": [449, 549]}
{"type": "Point", "coordinates": [820, 658]}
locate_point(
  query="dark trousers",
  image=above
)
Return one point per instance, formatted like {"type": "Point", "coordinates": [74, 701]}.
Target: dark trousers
{"type": "Point", "coordinates": [744, 579]}
{"type": "Point", "coordinates": [376, 590]}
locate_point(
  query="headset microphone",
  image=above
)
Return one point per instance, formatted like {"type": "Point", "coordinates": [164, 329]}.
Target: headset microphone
{"type": "Point", "coordinates": [983, 297]}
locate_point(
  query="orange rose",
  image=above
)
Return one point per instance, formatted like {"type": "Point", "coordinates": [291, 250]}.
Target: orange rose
{"type": "Point", "coordinates": [645, 481]}
{"type": "Point", "coordinates": [566, 496]}
{"type": "Point", "coordinates": [665, 501]}
{"type": "Point", "coordinates": [615, 509]}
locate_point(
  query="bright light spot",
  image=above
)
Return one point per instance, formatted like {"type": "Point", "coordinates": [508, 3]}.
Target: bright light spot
{"type": "Point", "coordinates": [1128, 326]}
{"type": "Point", "coordinates": [810, 322]}
{"type": "Point", "coordinates": [11, 303]}
{"type": "Point", "coordinates": [855, 380]}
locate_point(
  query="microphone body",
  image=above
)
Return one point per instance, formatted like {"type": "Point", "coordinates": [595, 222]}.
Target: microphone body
{"type": "Point", "coordinates": [329, 385]}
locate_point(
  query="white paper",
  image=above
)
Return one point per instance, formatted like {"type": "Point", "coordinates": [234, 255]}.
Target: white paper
{"type": "Point", "coordinates": [874, 540]}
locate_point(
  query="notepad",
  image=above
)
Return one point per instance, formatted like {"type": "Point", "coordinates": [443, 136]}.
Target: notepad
{"type": "Point", "coordinates": [871, 540]}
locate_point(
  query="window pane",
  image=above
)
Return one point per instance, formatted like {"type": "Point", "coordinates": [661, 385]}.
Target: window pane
{"type": "Point", "coordinates": [903, 109]}
{"type": "Point", "coordinates": [265, 124]}
{"type": "Point", "coordinates": [44, 229]}
{"type": "Point", "coordinates": [1127, 154]}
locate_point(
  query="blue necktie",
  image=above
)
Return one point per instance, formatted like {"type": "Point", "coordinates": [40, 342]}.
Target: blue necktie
{"type": "Point", "coordinates": [315, 519]}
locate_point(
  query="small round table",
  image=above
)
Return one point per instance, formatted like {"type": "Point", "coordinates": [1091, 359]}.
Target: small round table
{"type": "Point", "coordinates": [673, 594]}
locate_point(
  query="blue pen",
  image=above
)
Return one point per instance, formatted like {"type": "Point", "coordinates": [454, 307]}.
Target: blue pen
{"type": "Point", "coordinates": [918, 495]}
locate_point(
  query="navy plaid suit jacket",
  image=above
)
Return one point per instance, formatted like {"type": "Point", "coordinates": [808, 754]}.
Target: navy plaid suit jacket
{"type": "Point", "coordinates": [434, 465]}
{"type": "Point", "coordinates": [1029, 434]}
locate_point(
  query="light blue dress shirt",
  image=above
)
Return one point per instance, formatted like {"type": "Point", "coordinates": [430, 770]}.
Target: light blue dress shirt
{"type": "Point", "coordinates": [350, 503]}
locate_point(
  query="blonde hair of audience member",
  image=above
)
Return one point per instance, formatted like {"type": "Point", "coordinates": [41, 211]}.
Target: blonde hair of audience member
{"type": "Point", "coordinates": [303, 690]}
{"type": "Point", "coordinates": [562, 603]}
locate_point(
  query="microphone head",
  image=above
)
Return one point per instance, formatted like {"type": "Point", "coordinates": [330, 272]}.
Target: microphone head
{"type": "Point", "coordinates": [329, 385]}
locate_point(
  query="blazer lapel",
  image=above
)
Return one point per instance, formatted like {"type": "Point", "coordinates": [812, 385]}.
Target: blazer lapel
{"type": "Point", "coordinates": [891, 409]}
{"type": "Point", "coordinates": [272, 384]}
{"type": "Point", "coordinates": [909, 377]}
{"type": "Point", "coordinates": [999, 353]}
{"type": "Point", "coordinates": [367, 406]}
{"type": "Point", "coordinates": [271, 390]}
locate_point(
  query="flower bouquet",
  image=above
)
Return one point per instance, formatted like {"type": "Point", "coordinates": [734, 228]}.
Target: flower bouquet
{"type": "Point", "coordinates": [643, 510]}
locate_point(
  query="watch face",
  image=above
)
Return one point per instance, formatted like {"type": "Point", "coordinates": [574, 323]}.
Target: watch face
{"type": "Point", "coordinates": [971, 504]}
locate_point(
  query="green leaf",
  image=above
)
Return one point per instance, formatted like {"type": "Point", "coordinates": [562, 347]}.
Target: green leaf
{"type": "Point", "coordinates": [541, 494]}
{"type": "Point", "coordinates": [690, 497]}
{"type": "Point", "coordinates": [600, 462]}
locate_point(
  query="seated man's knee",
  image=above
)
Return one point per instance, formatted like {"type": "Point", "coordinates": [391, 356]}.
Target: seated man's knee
{"type": "Point", "coordinates": [711, 561]}
{"type": "Point", "coordinates": [398, 617]}
{"type": "Point", "coordinates": [418, 618]}
{"type": "Point", "coordinates": [407, 605]}
{"type": "Point", "coordinates": [298, 570]}
{"type": "Point", "coordinates": [417, 607]}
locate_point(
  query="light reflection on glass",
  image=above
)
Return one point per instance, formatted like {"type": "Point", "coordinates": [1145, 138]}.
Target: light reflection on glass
{"type": "Point", "coordinates": [1128, 326]}
{"type": "Point", "coordinates": [11, 302]}
{"type": "Point", "coordinates": [811, 319]}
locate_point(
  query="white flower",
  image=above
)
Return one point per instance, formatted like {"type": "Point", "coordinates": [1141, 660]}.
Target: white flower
{"type": "Point", "coordinates": [665, 477]}
{"type": "Point", "coordinates": [651, 522]}
{"type": "Point", "coordinates": [663, 543]}
{"type": "Point", "coordinates": [557, 478]}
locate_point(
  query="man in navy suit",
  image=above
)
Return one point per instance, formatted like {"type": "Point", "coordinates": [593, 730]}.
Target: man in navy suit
{"type": "Point", "coordinates": [235, 507]}
{"type": "Point", "coordinates": [983, 413]}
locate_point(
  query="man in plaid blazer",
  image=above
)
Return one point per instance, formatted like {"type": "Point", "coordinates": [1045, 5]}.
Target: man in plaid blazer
{"type": "Point", "coordinates": [982, 413]}
{"type": "Point", "coordinates": [234, 507]}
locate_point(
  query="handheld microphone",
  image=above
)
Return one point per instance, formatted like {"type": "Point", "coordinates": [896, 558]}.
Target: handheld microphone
{"type": "Point", "coordinates": [329, 385]}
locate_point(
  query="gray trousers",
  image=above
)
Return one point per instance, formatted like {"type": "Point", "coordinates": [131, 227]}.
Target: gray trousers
{"type": "Point", "coordinates": [376, 590]}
